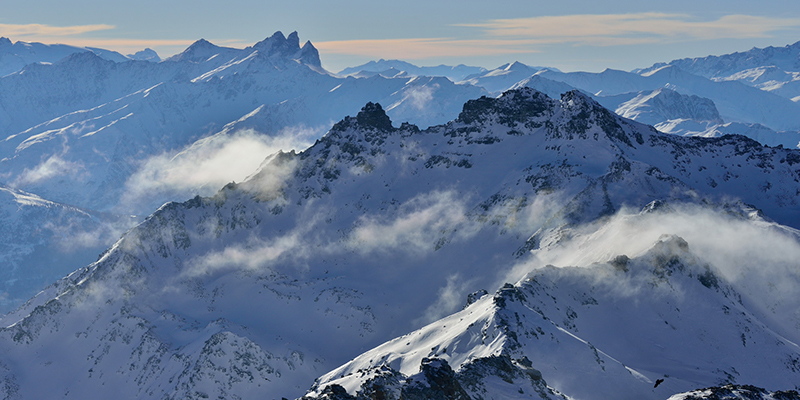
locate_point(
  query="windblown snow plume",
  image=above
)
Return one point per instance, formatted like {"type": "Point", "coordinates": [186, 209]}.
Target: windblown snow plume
{"type": "Point", "coordinates": [52, 167]}
{"type": "Point", "coordinates": [207, 165]}
{"type": "Point", "coordinates": [759, 257]}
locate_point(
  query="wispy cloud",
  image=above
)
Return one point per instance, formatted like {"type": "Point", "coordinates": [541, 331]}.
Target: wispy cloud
{"type": "Point", "coordinates": [449, 298]}
{"type": "Point", "coordinates": [523, 35]}
{"type": "Point", "coordinates": [36, 30]}
{"type": "Point", "coordinates": [52, 167]}
{"type": "Point", "coordinates": [423, 223]}
{"type": "Point", "coordinates": [206, 166]}
{"type": "Point", "coordinates": [75, 36]}
{"type": "Point", "coordinates": [634, 28]}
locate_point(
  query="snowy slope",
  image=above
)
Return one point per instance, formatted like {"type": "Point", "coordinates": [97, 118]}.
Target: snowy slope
{"type": "Point", "coordinates": [760, 133]}
{"type": "Point", "coordinates": [314, 259]}
{"type": "Point", "coordinates": [43, 241]}
{"type": "Point", "coordinates": [552, 89]}
{"type": "Point", "coordinates": [661, 105]}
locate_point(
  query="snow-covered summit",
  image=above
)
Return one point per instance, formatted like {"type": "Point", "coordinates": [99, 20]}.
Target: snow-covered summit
{"type": "Point", "coordinates": [278, 48]}
{"type": "Point", "coordinates": [147, 54]}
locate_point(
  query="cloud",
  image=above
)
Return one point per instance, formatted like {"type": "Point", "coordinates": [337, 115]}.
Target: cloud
{"type": "Point", "coordinates": [25, 30]}
{"type": "Point", "coordinates": [633, 28]}
{"type": "Point", "coordinates": [421, 96]}
{"type": "Point", "coordinates": [73, 36]}
{"type": "Point", "coordinates": [76, 234]}
{"type": "Point", "coordinates": [523, 35]}
{"type": "Point", "coordinates": [759, 258]}
{"type": "Point", "coordinates": [423, 223]}
{"type": "Point", "coordinates": [449, 298]}
{"type": "Point", "coordinates": [257, 254]}
{"type": "Point", "coordinates": [52, 167]}
{"type": "Point", "coordinates": [283, 252]}
{"type": "Point", "coordinates": [207, 165]}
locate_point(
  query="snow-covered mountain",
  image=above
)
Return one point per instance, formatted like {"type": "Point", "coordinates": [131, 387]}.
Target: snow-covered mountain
{"type": "Point", "coordinates": [16, 55]}
{"type": "Point", "coordinates": [773, 69]}
{"type": "Point", "coordinates": [100, 121]}
{"type": "Point", "coordinates": [553, 89]}
{"type": "Point", "coordinates": [147, 54]}
{"type": "Point", "coordinates": [660, 105]}
{"type": "Point", "coordinates": [666, 97]}
{"type": "Point", "coordinates": [377, 230]}
{"type": "Point", "coordinates": [735, 101]}
{"type": "Point", "coordinates": [674, 113]}
{"type": "Point", "coordinates": [757, 132]}
{"type": "Point", "coordinates": [394, 67]}
{"type": "Point", "coordinates": [503, 77]}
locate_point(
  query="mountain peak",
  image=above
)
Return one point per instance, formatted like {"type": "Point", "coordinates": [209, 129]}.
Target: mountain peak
{"type": "Point", "coordinates": [4, 41]}
{"type": "Point", "coordinates": [200, 44]}
{"type": "Point", "coordinates": [310, 55]}
{"type": "Point", "coordinates": [293, 39]}
{"type": "Point", "coordinates": [517, 105]}
{"type": "Point", "coordinates": [370, 123]}
{"type": "Point", "coordinates": [373, 116]}
{"type": "Point", "coordinates": [147, 54]}
{"type": "Point", "coordinates": [516, 65]}
{"type": "Point", "coordinates": [278, 43]}
{"type": "Point", "coordinates": [289, 47]}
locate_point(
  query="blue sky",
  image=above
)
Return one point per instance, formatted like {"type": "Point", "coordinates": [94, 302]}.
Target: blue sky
{"type": "Point", "coordinates": [567, 34]}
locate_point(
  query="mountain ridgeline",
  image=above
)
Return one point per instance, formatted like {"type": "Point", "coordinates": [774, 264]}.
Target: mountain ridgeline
{"type": "Point", "coordinates": [378, 230]}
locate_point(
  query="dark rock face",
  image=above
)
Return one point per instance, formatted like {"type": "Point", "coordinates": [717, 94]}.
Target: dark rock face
{"type": "Point", "coordinates": [740, 392]}
{"type": "Point", "coordinates": [335, 392]}
{"type": "Point", "coordinates": [513, 107]}
{"type": "Point", "coordinates": [436, 381]}
{"type": "Point", "coordinates": [373, 116]}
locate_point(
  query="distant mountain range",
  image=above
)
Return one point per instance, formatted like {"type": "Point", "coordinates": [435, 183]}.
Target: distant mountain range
{"type": "Point", "coordinates": [14, 56]}
{"type": "Point", "coordinates": [390, 68]}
